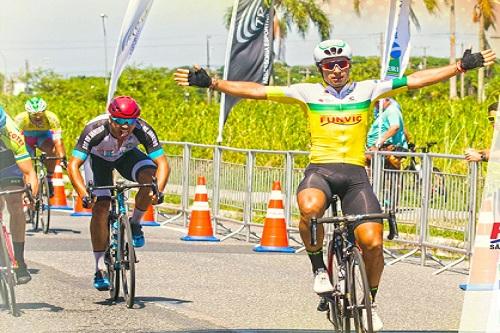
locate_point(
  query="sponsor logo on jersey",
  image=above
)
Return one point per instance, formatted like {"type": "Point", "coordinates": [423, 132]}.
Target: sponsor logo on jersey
{"type": "Point", "coordinates": [17, 138]}
{"type": "Point", "coordinates": [495, 236]}
{"type": "Point", "coordinates": [341, 120]}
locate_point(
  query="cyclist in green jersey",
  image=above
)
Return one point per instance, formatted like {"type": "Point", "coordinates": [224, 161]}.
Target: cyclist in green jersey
{"type": "Point", "coordinates": [15, 170]}
{"type": "Point", "coordinates": [338, 120]}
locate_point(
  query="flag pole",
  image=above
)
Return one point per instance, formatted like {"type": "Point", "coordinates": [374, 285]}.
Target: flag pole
{"type": "Point", "coordinates": [226, 69]}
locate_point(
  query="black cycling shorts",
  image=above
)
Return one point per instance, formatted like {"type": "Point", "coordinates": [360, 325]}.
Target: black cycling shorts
{"type": "Point", "coordinates": [350, 182]}
{"type": "Point", "coordinates": [10, 177]}
{"type": "Point", "coordinates": [129, 165]}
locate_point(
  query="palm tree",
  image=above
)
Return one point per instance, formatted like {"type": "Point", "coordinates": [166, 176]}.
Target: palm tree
{"type": "Point", "coordinates": [484, 14]}
{"type": "Point", "coordinates": [297, 13]}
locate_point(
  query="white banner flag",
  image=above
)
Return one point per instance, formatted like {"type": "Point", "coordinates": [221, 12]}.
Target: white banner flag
{"type": "Point", "coordinates": [132, 25]}
{"type": "Point", "coordinates": [397, 40]}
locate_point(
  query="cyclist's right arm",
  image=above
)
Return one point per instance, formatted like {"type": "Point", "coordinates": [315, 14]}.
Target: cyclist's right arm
{"type": "Point", "coordinates": [75, 176]}
{"type": "Point", "coordinates": [250, 90]}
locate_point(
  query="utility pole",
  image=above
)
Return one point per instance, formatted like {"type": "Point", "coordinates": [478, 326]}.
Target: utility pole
{"type": "Point", "coordinates": [462, 79]}
{"type": "Point", "coordinates": [103, 17]}
{"type": "Point", "coordinates": [208, 52]}
{"type": "Point", "coordinates": [381, 47]}
{"type": "Point", "coordinates": [288, 75]}
{"type": "Point", "coordinates": [209, 91]}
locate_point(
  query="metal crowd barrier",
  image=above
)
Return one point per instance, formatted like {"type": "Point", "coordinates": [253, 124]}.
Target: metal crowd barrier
{"type": "Point", "coordinates": [430, 204]}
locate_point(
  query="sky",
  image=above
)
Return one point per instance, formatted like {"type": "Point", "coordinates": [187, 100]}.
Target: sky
{"type": "Point", "coordinates": [66, 36]}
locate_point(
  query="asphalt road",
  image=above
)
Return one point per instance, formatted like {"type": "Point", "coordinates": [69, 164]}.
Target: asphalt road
{"type": "Point", "coordinates": [208, 287]}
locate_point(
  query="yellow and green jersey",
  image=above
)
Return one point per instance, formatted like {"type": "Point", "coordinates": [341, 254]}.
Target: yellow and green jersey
{"type": "Point", "coordinates": [12, 147]}
{"type": "Point", "coordinates": [338, 121]}
{"type": "Point", "coordinates": [32, 128]}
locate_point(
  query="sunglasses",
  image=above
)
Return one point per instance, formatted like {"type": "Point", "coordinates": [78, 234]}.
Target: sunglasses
{"type": "Point", "coordinates": [330, 65]}
{"type": "Point", "coordinates": [491, 119]}
{"type": "Point", "coordinates": [124, 121]}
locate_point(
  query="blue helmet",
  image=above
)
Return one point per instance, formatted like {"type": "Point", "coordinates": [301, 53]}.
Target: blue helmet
{"type": "Point", "coordinates": [3, 117]}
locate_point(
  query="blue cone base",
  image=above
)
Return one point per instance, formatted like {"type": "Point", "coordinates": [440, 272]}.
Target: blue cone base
{"type": "Point", "coordinates": [478, 287]}
{"type": "Point", "coordinates": [80, 214]}
{"type": "Point", "coordinates": [284, 249]}
{"type": "Point", "coordinates": [150, 224]}
{"type": "Point", "coordinates": [61, 207]}
{"type": "Point", "coordinates": [200, 239]}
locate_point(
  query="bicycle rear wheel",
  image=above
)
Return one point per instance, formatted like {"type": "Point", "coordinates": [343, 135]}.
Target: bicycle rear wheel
{"type": "Point", "coordinates": [359, 291]}
{"type": "Point", "coordinates": [128, 262]}
{"type": "Point", "coordinates": [43, 209]}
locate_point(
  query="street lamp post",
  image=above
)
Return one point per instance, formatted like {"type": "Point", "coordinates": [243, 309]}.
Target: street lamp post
{"type": "Point", "coordinates": [4, 88]}
{"type": "Point", "coordinates": [103, 17]}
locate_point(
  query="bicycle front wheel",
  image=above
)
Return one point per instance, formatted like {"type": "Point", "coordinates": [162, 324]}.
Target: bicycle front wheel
{"type": "Point", "coordinates": [128, 262]}
{"type": "Point", "coordinates": [337, 313]}
{"type": "Point", "coordinates": [359, 291]}
{"type": "Point", "coordinates": [43, 211]}
{"type": "Point", "coordinates": [7, 278]}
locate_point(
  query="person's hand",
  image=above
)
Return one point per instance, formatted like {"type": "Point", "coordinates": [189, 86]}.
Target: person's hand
{"type": "Point", "coordinates": [64, 163]}
{"type": "Point", "coordinates": [87, 201]}
{"type": "Point", "coordinates": [472, 155]}
{"type": "Point", "coordinates": [195, 76]}
{"type": "Point", "coordinates": [475, 60]}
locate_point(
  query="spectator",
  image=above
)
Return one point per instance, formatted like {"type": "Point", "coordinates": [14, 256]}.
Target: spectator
{"type": "Point", "coordinates": [474, 155]}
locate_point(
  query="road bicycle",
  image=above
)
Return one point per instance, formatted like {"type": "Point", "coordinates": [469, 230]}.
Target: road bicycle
{"type": "Point", "coordinates": [351, 297]}
{"type": "Point", "coordinates": [7, 260]}
{"type": "Point", "coordinates": [40, 214]}
{"type": "Point", "coordinates": [120, 257]}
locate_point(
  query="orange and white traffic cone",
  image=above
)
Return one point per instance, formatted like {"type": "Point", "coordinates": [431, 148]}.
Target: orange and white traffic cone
{"type": "Point", "coordinates": [200, 223]}
{"type": "Point", "coordinates": [58, 201]}
{"type": "Point", "coordinates": [274, 237]}
{"type": "Point", "coordinates": [78, 209]}
{"type": "Point", "coordinates": [149, 218]}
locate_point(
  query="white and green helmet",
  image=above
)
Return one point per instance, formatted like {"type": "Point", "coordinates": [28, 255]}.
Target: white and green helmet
{"type": "Point", "coordinates": [35, 105]}
{"type": "Point", "coordinates": [332, 48]}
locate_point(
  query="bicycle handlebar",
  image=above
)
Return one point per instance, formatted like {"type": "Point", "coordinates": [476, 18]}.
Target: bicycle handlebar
{"type": "Point", "coordinates": [120, 186]}
{"type": "Point", "coordinates": [390, 217]}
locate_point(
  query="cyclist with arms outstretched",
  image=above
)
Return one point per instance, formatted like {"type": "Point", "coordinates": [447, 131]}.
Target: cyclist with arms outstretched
{"type": "Point", "coordinates": [338, 120]}
{"type": "Point", "coordinates": [16, 169]}
{"type": "Point", "coordinates": [41, 128]}
{"type": "Point", "coordinates": [110, 141]}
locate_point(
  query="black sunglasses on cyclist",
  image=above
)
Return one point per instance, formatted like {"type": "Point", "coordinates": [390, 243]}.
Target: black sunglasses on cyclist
{"type": "Point", "coordinates": [330, 65]}
{"type": "Point", "coordinates": [491, 119]}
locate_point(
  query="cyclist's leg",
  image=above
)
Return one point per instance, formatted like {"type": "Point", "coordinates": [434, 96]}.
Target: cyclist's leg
{"type": "Point", "coordinates": [46, 144]}
{"type": "Point", "coordinates": [313, 196]}
{"type": "Point", "coordinates": [12, 178]}
{"type": "Point", "coordinates": [136, 166]}
{"type": "Point", "coordinates": [102, 176]}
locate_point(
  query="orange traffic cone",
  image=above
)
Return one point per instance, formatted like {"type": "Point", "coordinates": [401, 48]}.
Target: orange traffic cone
{"type": "Point", "coordinates": [149, 217]}
{"type": "Point", "coordinates": [274, 237]}
{"type": "Point", "coordinates": [200, 224]}
{"type": "Point", "coordinates": [58, 201]}
{"type": "Point", "coordinates": [78, 209]}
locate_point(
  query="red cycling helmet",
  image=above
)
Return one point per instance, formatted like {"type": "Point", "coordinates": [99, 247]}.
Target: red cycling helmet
{"type": "Point", "coordinates": [124, 107]}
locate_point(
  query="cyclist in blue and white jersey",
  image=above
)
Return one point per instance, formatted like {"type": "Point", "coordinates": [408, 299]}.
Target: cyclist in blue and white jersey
{"type": "Point", "coordinates": [110, 142]}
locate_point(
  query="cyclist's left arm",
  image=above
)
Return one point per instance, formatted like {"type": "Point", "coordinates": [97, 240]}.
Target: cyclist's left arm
{"type": "Point", "coordinates": [21, 155]}
{"type": "Point", "coordinates": [55, 128]}
{"type": "Point", "coordinates": [148, 138]}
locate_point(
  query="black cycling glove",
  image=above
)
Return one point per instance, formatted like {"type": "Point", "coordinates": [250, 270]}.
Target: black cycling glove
{"type": "Point", "coordinates": [86, 201]}
{"type": "Point", "coordinates": [472, 60]}
{"type": "Point", "coordinates": [199, 78]}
